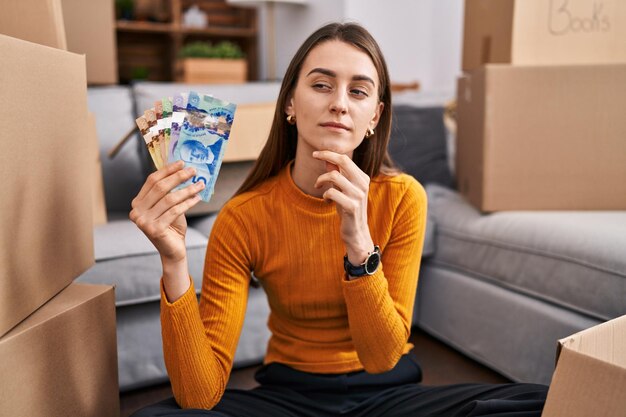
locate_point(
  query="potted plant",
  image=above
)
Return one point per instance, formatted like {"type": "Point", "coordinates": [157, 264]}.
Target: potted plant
{"type": "Point", "coordinates": [203, 62]}
{"type": "Point", "coordinates": [124, 9]}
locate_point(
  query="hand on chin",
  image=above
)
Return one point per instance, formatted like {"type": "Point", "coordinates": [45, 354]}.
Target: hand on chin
{"type": "Point", "coordinates": [335, 149]}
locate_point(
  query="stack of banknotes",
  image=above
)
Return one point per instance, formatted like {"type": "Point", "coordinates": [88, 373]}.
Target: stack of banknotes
{"type": "Point", "coordinates": [191, 127]}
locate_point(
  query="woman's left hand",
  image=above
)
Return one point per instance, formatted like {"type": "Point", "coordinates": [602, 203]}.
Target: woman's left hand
{"type": "Point", "coordinates": [350, 188]}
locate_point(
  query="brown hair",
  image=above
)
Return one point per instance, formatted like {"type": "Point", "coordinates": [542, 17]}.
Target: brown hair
{"type": "Point", "coordinates": [371, 155]}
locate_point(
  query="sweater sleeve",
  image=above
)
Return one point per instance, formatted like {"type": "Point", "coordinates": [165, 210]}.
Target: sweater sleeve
{"type": "Point", "coordinates": [380, 306]}
{"type": "Point", "coordinates": [199, 341]}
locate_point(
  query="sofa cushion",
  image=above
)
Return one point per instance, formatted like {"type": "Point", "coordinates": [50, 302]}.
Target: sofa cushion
{"type": "Point", "coordinates": [127, 259]}
{"type": "Point", "coordinates": [574, 259]}
{"type": "Point", "coordinates": [123, 175]}
{"type": "Point", "coordinates": [506, 330]}
{"type": "Point", "coordinates": [140, 353]}
{"type": "Point", "coordinates": [418, 143]}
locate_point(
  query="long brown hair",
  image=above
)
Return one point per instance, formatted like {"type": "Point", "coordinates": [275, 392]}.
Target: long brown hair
{"type": "Point", "coordinates": [371, 155]}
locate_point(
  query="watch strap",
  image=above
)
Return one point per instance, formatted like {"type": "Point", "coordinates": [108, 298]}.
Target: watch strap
{"type": "Point", "coordinates": [362, 269]}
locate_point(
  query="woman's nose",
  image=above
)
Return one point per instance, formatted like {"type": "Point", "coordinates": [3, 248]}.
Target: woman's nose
{"type": "Point", "coordinates": [339, 103]}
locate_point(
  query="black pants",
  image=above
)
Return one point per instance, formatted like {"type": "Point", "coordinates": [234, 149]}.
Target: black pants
{"type": "Point", "coordinates": [285, 392]}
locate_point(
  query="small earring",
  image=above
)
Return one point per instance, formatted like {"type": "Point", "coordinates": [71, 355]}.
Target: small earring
{"type": "Point", "coordinates": [291, 119]}
{"type": "Point", "coordinates": [369, 132]}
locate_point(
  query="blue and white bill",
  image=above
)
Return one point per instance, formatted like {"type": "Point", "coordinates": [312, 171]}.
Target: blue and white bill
{"type": "Point", "coordinates": [178, 116]}
{"type": "Point", "coordinates": [203, 138]}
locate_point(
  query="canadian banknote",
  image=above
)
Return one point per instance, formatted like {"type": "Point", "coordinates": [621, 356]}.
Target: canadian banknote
{"type": "Point", "coordinates": [191, 127]}
{"type": "Point", "coordinates": [167, 121]}
{"type": "Point", "coordinates": [179, 112]}
{"type": "Point", "coordinates": [203, 138]}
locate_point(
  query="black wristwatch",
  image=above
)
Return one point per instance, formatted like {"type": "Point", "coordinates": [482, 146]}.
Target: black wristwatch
{"type": "Point", "coordinates": [366, 268]}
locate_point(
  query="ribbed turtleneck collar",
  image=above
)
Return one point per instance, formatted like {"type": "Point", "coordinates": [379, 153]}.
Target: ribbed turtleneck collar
{"type": "Point", "coordinates": [300, 198]}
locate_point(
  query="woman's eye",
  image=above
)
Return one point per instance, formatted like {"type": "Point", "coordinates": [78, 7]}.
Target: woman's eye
{"type": "Point", "coordinates": [321, 86]}
{"type": "Point", "coordinates": [358, 92]}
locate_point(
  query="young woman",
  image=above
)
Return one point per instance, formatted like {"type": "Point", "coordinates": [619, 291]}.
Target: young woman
{"type": "Point", "coordinates": [334, 234]}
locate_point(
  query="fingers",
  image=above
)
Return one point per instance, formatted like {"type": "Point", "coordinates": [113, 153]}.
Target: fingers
{"type": "Point", "coordinates": [160, 217]}
{"type": "Point", "coordinates": [175, 198]}
{"type": "Point", "coordinates": [340, 160]}
{"type": "Point", "coordinates": [174, 212]}
{"type": "Point", "coordinates": [347, 204]}
{"type": "Point", "coordinates": [331, 167]}
{"type": "Point", "coordinates": [159, 175]}
{"type": "Point", "coordinates": [160, 186]}
{"type": "Point", "coordinates": [336, 179]}
{"type": "Point", "coordinates": [346, 166]}
{"type": "Point", "coordinates": [348, 177]}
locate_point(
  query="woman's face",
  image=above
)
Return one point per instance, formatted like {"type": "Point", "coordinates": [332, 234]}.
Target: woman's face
{"type": "Point", "coordinates": [336, 98]}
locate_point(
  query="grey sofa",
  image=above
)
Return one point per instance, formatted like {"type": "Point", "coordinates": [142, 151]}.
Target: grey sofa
{"type": "Point", "coordinates": [502, 287]}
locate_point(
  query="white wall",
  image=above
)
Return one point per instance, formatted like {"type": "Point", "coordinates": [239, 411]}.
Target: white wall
{"type": "Point", "coordinates": [421, 39]}
{"type": "Point", "coordinates": [294, 23]}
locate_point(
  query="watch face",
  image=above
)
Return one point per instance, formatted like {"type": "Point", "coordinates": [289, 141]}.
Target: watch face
{"type": "Point", "coordinates": [372, 263]}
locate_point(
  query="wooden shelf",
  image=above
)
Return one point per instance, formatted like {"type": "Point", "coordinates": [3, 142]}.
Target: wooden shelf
{"type": "Point", "coordinates": [153, 47]}
{"type": "Point", "coordinates": [220, 31]}
{"type": "Point", "coordinates": [152, 27]}
{"type": "Point", "coordinates": [143, 27]}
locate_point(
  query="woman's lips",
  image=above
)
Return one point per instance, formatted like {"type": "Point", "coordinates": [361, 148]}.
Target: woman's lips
{"type": "Point", "coordinates": [333, 125]}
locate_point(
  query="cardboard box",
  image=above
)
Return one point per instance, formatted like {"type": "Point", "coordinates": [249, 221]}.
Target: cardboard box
{"type": "Point", "coordinates": [90, 30]}
{"type": "Point", "coordinates": [590, 375]}
{"type": "Point", "coordinates": [38, 21]}
{"type": "Point", "coordinates": [540, 32]}
{"type": "Point", "coordinates": [62, 360]}
{"type": "Point", "coordinates": [214, 71]}
{"type": "Point", "coordinates": [46, 232]}
{"type": "Point", "coordinates": [97, 188]}
{"type": "Point", "coordinates": [250, 131]}
{"type": "Point", "coordinates": [542, 138]}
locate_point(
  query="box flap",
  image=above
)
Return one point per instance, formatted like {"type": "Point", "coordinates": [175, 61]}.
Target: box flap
{"type": "Point", "coordinates": [583, 386]}
{"type": "Point", "coordinates": [605, 342]}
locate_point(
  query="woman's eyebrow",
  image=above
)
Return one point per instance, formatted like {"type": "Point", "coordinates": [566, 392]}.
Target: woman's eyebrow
{"type": "Point", "coordinates": [333, 74]}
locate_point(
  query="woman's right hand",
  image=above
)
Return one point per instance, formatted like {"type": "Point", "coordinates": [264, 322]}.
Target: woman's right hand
{"type": "Point", "coordinates": [159, 213]}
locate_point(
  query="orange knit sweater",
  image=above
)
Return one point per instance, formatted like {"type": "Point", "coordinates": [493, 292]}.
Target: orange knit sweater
{"type": "Point", "coordinates": [320, 322]}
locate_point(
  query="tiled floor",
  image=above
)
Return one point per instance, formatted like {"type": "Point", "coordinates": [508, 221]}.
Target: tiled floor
{"type": "Point", "coordinates": [441, 365]}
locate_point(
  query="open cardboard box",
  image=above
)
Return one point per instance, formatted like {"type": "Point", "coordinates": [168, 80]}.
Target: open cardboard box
{"type": "Point", "coordinates": [590, 375]}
